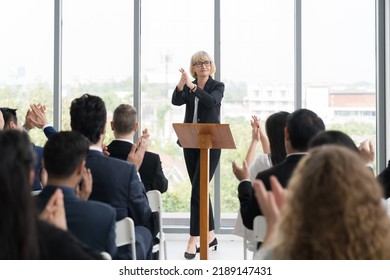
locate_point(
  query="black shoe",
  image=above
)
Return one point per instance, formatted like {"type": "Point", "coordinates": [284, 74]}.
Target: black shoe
{"type": "Point", "coordinates": [190, 256]}
{"type": "Point", "coordinates": [213, 245]}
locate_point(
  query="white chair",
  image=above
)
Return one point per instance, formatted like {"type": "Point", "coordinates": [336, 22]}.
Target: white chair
{"type": "Point", "coordinates": [259, 228]}
{"type": "Point", "coordinates": [155, 203]}
{"type": "Point", "coordinates": [125, 234]}
{"type": "Point", "coordinates": [34, 193]}
{"type": "Point", "coordinates": [249, 244]}
{"type": "Point", "coordinates": [105, 255]}
{"type": "Point", "coordinates": [251, 238]}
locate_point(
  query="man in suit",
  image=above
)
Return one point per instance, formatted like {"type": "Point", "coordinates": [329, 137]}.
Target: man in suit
{"type": "Point", "coordinates": [301, 126]}
{"type": "Point", "coordinates": [115, 181]}
{"type": "Point", "coordinates": [124, 125]}
{"type": "Point", "coordinates": [92, 222]}
{"type": "Point", "coordinates": [11, 122]}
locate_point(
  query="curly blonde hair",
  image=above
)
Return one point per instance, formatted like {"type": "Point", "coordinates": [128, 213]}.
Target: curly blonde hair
{"type": "Point", "coordinates": [333, 210]}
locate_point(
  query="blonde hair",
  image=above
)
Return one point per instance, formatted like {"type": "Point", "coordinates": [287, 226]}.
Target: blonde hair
{"type": "Point", "coordinates": [201, 56]}
{"type": "Point", "coordinates": [333, 210]}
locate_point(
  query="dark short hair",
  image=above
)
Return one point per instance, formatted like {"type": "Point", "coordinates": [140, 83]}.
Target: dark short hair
{"type": "Point", "coordinates": [124, 118]}
{"type": "Point", "coordinates": [333, 137]}
{"type": "Point", "coordinates": [9, 115]}
{"type": "Point", "coordinates": [302, 125]}
{"type": "Point", "coordinates": [63, 153]}
{"type": "Point", "coordinates": [88, 115]}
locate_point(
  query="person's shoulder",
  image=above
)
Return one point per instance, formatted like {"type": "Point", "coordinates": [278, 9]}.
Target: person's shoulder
{"type": "Point", "coordinates": [215, 82]}
{"type": "Point", "coordinates": [58, 244]}
{"type": "Point", "coordinates": [116, 142]}
{"type": "Point", "coordinates": [100, 205]}
{"type": "Point", "coordinates": [151, 155]}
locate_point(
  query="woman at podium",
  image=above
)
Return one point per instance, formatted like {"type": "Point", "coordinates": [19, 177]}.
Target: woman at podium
{"type": "Point", "coordinates": [202, 98]}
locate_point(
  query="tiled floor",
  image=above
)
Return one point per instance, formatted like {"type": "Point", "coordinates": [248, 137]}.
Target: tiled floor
{"type": "Point", "coordinates": [230, 247]}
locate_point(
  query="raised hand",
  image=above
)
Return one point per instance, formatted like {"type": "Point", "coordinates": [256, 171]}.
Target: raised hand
{"type": "Point", "coordinates": [84, 190]}
{"type": "Point", "coordinates": [240, 173]}
{"type": "Point", "coordinates": [367, 151]}
{"type": "Point", "coordinates": [137, 152]}
{"type": "Point", "coordinates": [36, 116]}
{"type": "Point", "coordinates": [185, 79]}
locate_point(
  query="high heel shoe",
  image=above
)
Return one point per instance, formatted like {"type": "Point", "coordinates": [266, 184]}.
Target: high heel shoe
{"type": "Point", "coordinates": [190, 256]}
{"type": "Point", "coordinates": [213, 245]}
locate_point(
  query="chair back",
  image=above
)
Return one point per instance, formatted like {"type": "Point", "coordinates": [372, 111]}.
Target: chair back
{"type": "Point", "coordinates": [105, 255]}
{"type": "Point", "coordinates": [259, 228]}
{"type": "Point", "coordinates": [155, 203]}
{"type": "Point", "coordinates": [125, 234]}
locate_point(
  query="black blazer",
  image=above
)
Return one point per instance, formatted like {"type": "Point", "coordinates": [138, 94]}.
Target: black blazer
{"type": "Point", "coordinates": [249, 207]}
{"type": "Point", "coordinates": [92, 222]}
{"type": "Point", "coordinates": [57, 244]}
{"type": "Point", "coordinates": [151, 172]}
{"type": "Point", "coordinates": [384, 180]}
{"type": "Point", "coordinates": [209, 105]}
{"type": "Point", "coordinates": [117, 183]}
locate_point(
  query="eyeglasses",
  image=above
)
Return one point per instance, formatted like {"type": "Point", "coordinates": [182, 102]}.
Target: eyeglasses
{"type": "Point", "coordinates": [199, 64]}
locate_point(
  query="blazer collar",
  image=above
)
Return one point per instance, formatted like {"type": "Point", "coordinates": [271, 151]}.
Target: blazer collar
{"type": "Point", "coordinates": [294, 157]}
{"type": "Point", "coordinates": [68, 192]}
{"type": "Point", "coordinates": [208, 85]}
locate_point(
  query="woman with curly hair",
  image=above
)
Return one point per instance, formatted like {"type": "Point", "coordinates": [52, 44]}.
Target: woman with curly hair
{"type": "Point", "coordinates": [332, 209]}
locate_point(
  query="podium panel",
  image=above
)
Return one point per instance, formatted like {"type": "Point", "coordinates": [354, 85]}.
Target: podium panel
{"type": "Point", "coordinates": [204, 136]}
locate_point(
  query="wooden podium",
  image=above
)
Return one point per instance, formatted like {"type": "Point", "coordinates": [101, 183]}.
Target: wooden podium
{"type": "Point", "coordinates": [204, 136]}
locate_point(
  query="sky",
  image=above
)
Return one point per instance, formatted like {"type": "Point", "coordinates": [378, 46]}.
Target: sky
{"type": "Point", "coordinates": [257, 44]}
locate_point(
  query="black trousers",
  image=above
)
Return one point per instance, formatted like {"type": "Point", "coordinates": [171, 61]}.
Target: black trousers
{"type": "Point", "coordinates": [192, 159]}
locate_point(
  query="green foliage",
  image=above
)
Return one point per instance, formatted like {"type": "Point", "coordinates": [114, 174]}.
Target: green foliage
{"type": "Point", "coordinates": [358, 131]}
{"type": "Point", "coordinates": [235, 91]}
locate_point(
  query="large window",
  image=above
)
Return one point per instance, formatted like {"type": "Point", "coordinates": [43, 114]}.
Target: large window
{"type": "Point", "coordinates": [257, 67]}
{"type": "Point", "coordinates": [338, 64]}
{"type": "Point", "coordinates": [168, 40]}
{"type": "Point", "coordinates": [26, 57]}
{"type": "Point", "coordinates": [256, 64]}
{"type": "Point", "coordinates": [97, 53]}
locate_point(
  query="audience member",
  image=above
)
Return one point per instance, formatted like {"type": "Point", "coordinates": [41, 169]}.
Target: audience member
{"type": "Point", "coordinates": [92, 222]}
{"type": "Point", "coordinates": [36, 117]}
{"type": "Point", "coordinates": [325, 213]}
{"type": "Point", "coordinates": [301, 126]}
{"type": "Point", "coordinates": [365, 149]}
{"type": "Point", "coordinates": [274, 152]}
{"type": "Point", "coordinates": [11, 122]}
{"type": "Point", "coordinates": [22, 234]}
{"type": "Point", "coordinates": [115, 181]}
{"type": "Point", "coordinates": [124, 124]}
{"type": "Point", "coordinates": [384, 180]}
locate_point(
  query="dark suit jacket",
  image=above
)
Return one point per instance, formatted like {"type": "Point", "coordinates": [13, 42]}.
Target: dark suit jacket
{"type": "Point", "coordinates": [152, 175]}
{"type": "Point", "coordinates": [117, 183]}
{"type": "Point", "coordinates": [57, 244]}
{"type": "Point", "coordinates": [38, 168]}
{"type": "Point", "coordinates": [384, 180]}
{"type": "Point", "coordinates": [209, 105]}
{"type": "Point", "coordinates": [49, 131]}
{"type": "Point", "coordinates": [92, 222]}
{"type": "Point", "coordinates": [249, 207]}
